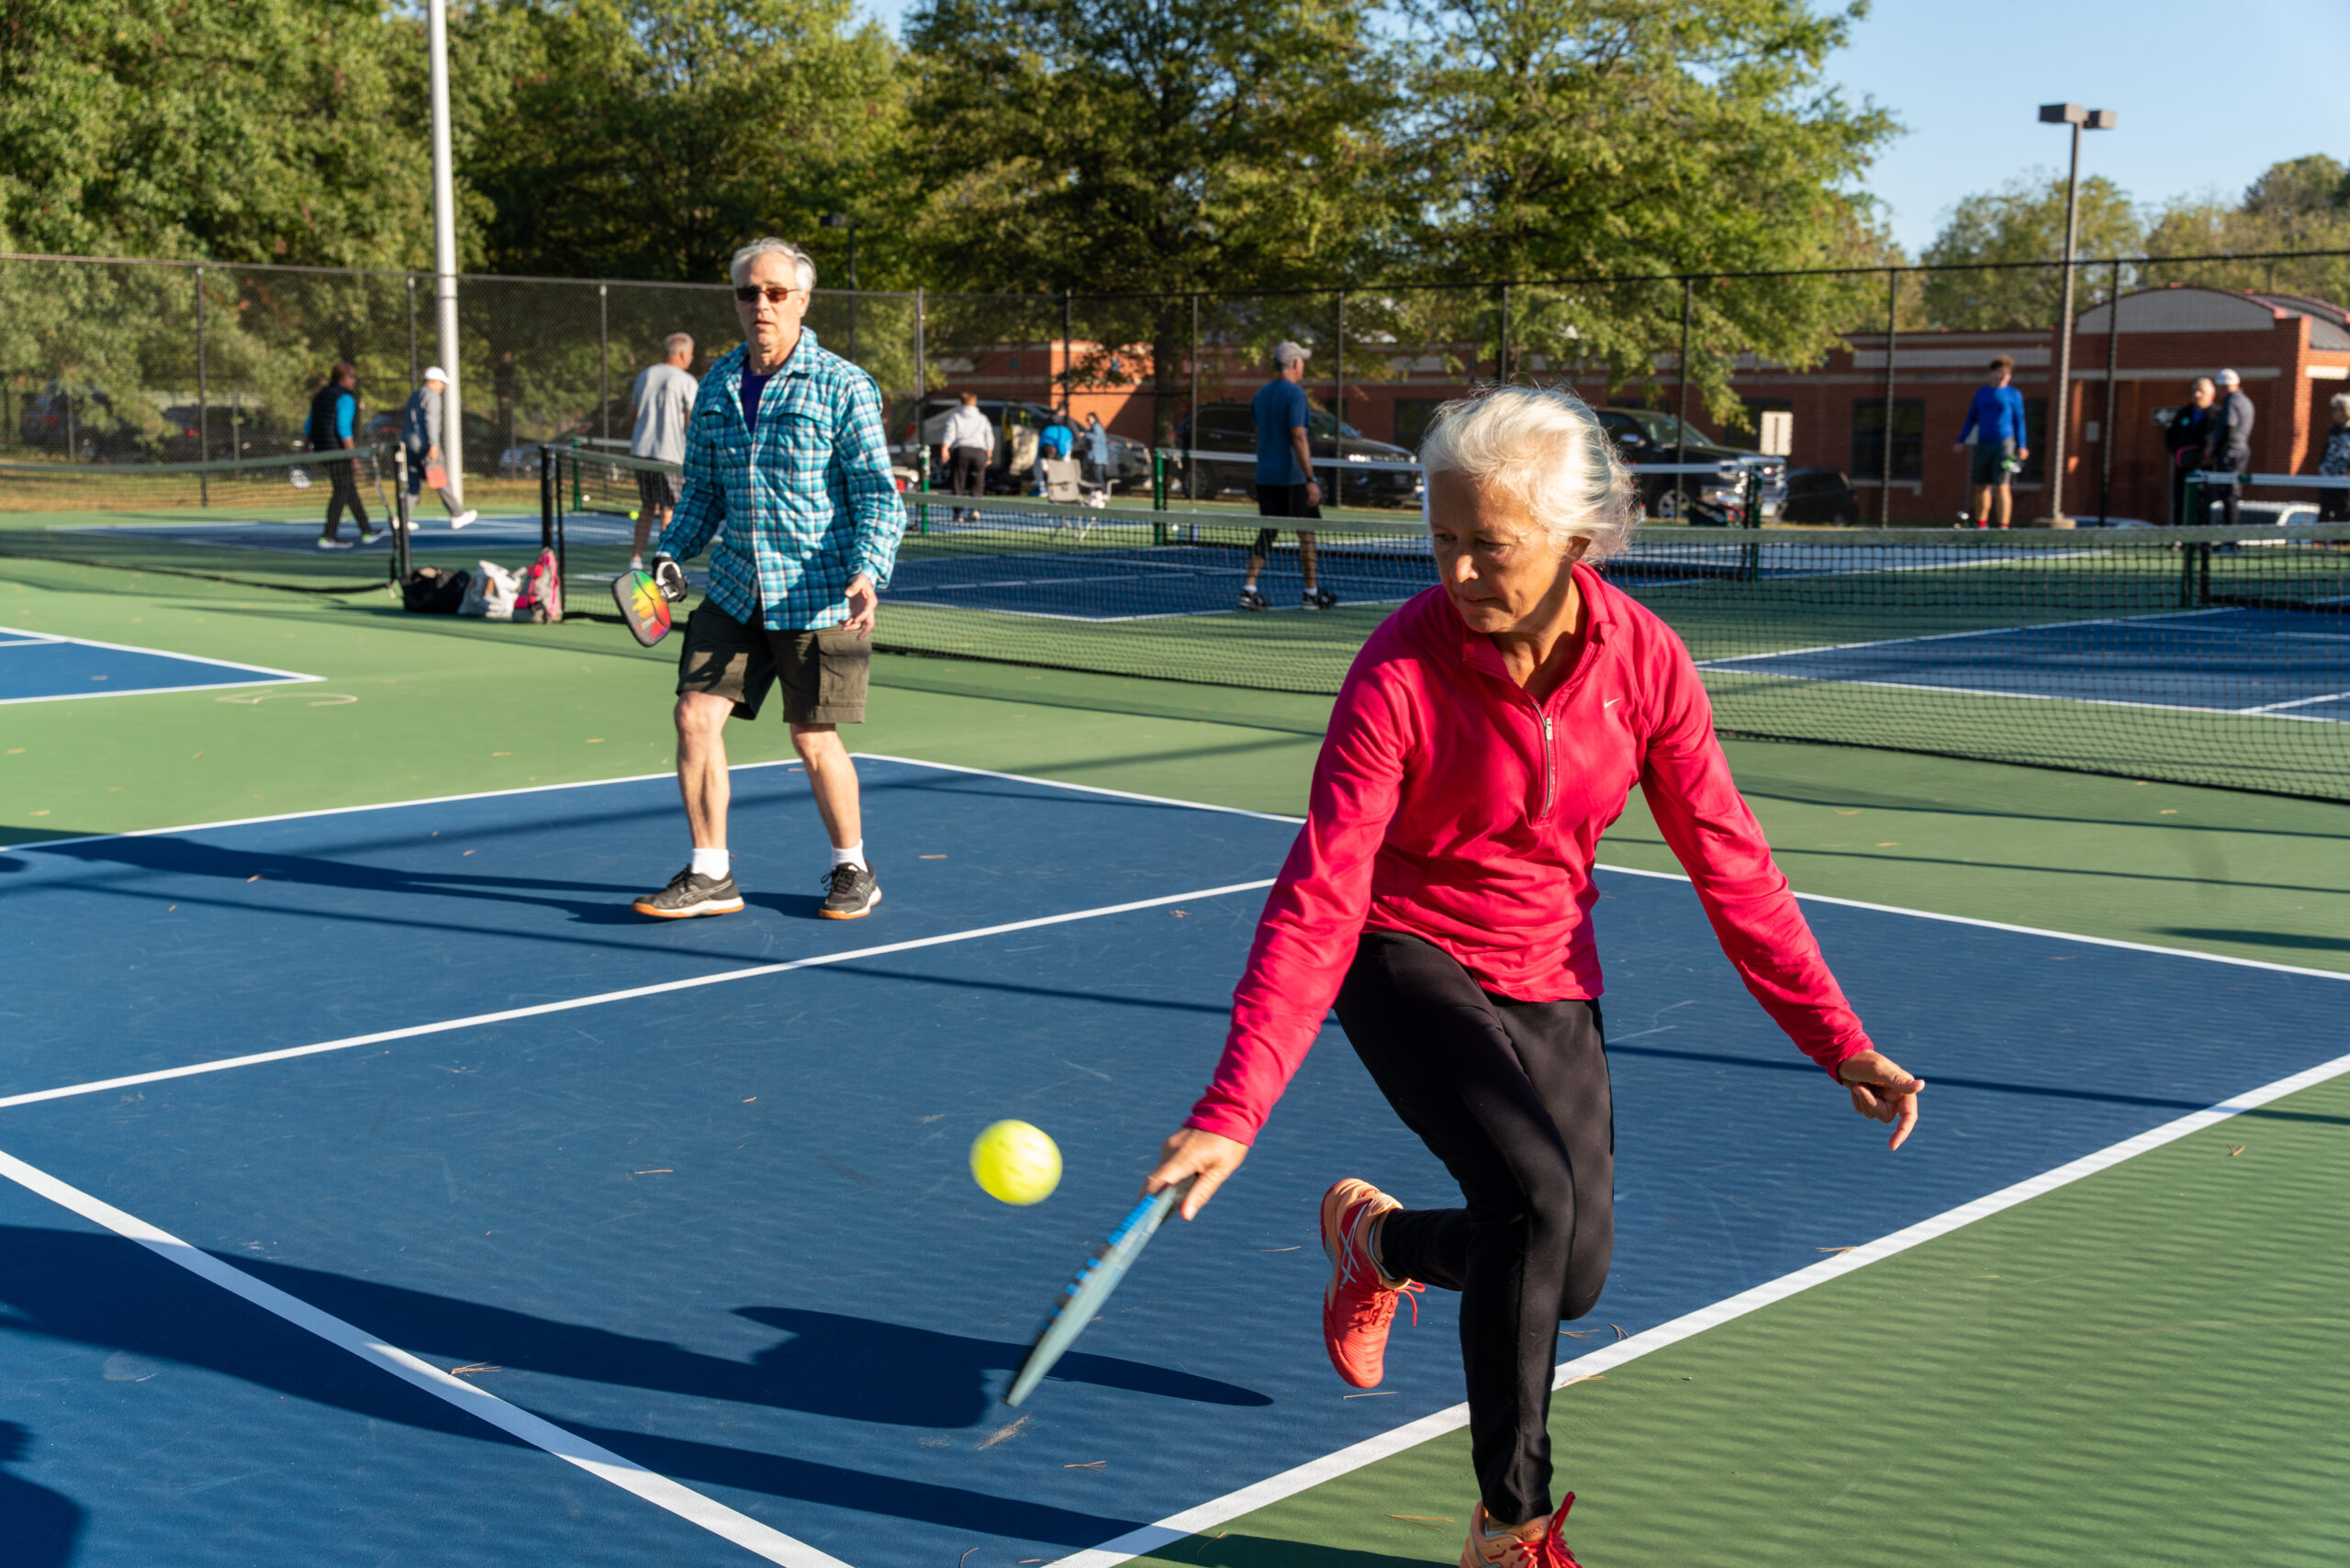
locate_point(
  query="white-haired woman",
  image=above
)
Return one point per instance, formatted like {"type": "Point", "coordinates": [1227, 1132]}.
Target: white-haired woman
{"type": "Point", "coordinates": [1440, 894]}
{"type": "Point", "coordinates": [2333, 463]}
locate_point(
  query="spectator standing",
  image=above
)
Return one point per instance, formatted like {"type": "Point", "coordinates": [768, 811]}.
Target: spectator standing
{"type": "Point", "coordinates": [2183, 438]}
{"type": "Point", "coordinates": [787, 450]}
{"type": "Point", "coordinates": [422, 436]}
{"type": "Point", "coordinates": [1054, 444]}
{"type": "Point", "coordinates": [663, 398]}
{"type": "Point", "coordinates": [2227, 442]}
{"type": "Point", "coordinates": [966, 446]}
{"type": "Point", "coordinates": [2333, 463]}
{"type": "Point", "coordinates": [1994, 428]}
{"type": "Point", "coordinates": [1285, 486]}
{"type": "Point", "coordinates": [1094, 444]}
{"type": "Point", "coordinates": [334, 427]}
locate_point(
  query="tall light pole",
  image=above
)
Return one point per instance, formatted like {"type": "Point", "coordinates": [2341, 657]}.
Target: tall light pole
{"type": "Point", "coordinates": [843, 220]}
{"type": "Point", "coordinates": [2080, 119]}
{"type": "Point", "coordinates": [445, 247]}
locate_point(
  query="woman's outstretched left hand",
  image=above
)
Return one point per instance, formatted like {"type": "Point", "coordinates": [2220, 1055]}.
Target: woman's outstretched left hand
{"type": "Point", "coordinates": [1881, 1091]}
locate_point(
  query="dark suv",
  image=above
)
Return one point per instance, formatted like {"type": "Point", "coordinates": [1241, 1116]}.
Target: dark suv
{"type": "Point", "coordinates": [1646, 436]}
{"type": "Point", "coordinates": [80, 421]}
{"type": "Point", "coordinates": [1232, 428]}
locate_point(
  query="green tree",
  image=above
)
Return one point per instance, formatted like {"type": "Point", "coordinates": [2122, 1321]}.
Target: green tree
{"type": "Point", "coordinates": [2025, 223]}
{"type": "Point", "coordinates": [648, 139]}
{"type": "Point", "coordinates": [1564, 138]}
{"type": "Point", "coordinates": [2303, 204]}
{"type": "Point", "coordinates": [1149, 148]}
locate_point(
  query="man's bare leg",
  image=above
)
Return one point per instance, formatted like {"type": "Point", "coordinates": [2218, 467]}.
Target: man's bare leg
{"type": "Point", "coordinates": [702, 780]}
{"type": "Point", "coordinates": [2006, 504]}
{"type": "Point", "coordinates": [832, 778]}
{"type": "Point", "coordinates": [650, 523]}
{"type": "Point", "coordinates": [1306, 563]}
{"type": "Point", "coordinates": [1982, 506]}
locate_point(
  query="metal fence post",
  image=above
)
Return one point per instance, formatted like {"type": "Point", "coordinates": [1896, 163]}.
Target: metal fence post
{"type": "Point", "coordinates": [1892, 328]}
{"type": "Point", "coordinates": [415, 375]}
{"type": "Point", "coordinates": [1680, 411]}
{"type": "Point", "coordinates": [604, 359]}
{"type": "Point", "coordinates": [2112, 362]}
{"type": "Point", "coordinates": [203, 410]}
{"type": "Point", "coordinates": [1191, 468]}
{"type": "Point", "coordinates": [1338, 474]}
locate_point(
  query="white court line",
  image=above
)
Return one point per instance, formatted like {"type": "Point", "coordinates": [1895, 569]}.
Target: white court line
{"type": "Point", "coordinates": [1190, 1521]}
{"type": "Point", "coordinates": [19, 638]}
{"type": "Point", "coordinates": [573, 1003]}
{"type": "Point", "coordinates": [161, 654]}
{"type": "Point", "coordinates": [602, 1462]}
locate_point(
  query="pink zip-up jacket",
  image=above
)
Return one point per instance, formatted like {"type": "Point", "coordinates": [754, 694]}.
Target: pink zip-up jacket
{"type": "Point", "coordinates": [1448, 805]}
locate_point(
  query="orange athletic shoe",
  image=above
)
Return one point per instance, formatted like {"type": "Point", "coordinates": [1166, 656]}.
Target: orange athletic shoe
{"type": "Point", "coordinates": [1535, 1544]}
{"type": "Point", "coordinates": [1359, 1302]}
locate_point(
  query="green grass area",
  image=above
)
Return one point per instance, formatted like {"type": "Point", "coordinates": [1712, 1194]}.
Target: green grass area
{"type": "Point", "coordinates": [2140, 1367]}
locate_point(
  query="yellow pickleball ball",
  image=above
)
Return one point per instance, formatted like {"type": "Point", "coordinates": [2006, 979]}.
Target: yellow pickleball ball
{"type": "Point", "coordinates": [1016, 1163]}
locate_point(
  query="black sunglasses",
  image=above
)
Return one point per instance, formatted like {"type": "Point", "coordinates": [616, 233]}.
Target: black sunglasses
{"type": "Point", "coordinates": [777, 293]}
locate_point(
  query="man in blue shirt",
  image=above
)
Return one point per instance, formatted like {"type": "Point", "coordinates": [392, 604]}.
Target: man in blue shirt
{"type": "Point", "coordinates": [785, 450]}
{"type": "Point", "coordinates": [334, 427]}
{"type": "Point", "coordinates": [1994, 428]}
{"type": "Point", "coordinates": [1285, 486]}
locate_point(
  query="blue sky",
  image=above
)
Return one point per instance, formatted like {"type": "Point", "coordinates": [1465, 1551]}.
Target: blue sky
{"type": "Point", "coordinates": [2210, 92]}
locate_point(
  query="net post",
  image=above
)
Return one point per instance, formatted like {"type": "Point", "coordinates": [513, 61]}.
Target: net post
{"type": "Point", "coordinates": [1158, 491]}
{"type": "Point", "coordinates": [547, 485]}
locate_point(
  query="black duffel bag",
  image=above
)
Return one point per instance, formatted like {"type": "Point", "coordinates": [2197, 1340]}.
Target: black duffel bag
{"type": "Point", "coordinates": [432, 590]}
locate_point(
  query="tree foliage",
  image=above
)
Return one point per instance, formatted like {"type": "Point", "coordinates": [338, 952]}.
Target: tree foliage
{"type": "Point", "coordinates": [2024, 222]}
{"type": "Point", "coordinates": [1570, 139]}
{"type": "Point", "coordinates": [2303, 204]}
{"type": "Point", "coordinates": [648, 139]}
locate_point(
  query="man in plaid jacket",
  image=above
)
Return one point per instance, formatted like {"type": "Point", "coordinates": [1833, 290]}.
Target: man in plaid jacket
{"type": "Point", "coordinates": [785, 450]}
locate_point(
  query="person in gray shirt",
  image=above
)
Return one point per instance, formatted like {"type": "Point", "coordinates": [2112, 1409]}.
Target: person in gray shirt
{"type": "Point", "coordinates": [421, 434]}
{"type": "Point", "coordinates": [2227, 442]}
{"type": "Point", "coordinates": [663, 398]}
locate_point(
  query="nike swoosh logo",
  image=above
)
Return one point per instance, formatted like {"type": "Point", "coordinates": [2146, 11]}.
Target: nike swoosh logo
{"type": "Point", "coordinates": [1609, 703]}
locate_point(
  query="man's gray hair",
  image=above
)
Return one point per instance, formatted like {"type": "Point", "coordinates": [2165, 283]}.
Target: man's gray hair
{"type": "Point", "coordinates": [677, 342]}
{"type": "Point", "coordinates": [766, 245]}
{"type": "Point", "coordinates": [1544, 446]}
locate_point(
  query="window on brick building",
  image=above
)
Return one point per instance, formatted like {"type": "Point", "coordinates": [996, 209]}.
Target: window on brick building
{"type": "Point", "coordinates": [1412, 417]}
{"type": "Point", "coordinates": [2035, 438]}
{"type": "Point", "coordinates": [1909, 438]}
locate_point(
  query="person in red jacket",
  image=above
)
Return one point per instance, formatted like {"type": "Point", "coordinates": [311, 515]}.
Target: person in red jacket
{"type": "Point", "coordinates": [1441, 895]}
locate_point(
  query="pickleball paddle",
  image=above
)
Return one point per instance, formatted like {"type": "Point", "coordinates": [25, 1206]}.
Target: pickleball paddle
{"type": "Point", "coordinates": [643, 605]}
{"type": "Point", "coordinates": [1085, 1295]}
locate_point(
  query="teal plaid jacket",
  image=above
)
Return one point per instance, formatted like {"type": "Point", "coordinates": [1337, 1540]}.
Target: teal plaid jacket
{"type": "Point", "coordinates": [807, 504]}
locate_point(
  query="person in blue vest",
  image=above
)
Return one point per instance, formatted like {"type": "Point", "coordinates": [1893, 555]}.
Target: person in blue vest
{"type": "Point", "coordinates": [334, 427]}
{"type": "Point", "coordinates": [1994, 428]}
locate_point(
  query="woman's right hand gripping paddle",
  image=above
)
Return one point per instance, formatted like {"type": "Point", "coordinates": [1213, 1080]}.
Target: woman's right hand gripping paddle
{"type": "Point", "coordinates": [1210, 1156]}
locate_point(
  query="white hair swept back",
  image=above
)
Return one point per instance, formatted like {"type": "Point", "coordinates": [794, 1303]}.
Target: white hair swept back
{"type": "Point", "coordinates": [766, 245]}
{"type": "Point", "coordinates": [1544, 446]}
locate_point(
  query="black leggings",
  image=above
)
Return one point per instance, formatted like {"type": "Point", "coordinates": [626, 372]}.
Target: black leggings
{"type": "Point", "coordinates": [342, 474]}
{"type": "Point", "coordinates": [1513, 1097]}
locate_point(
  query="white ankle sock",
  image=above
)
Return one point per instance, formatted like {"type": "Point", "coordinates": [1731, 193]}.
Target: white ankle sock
{"type": "Point", "coordinates": [710, 863]}
{"type": "Point", "coordinates": [853, 855]}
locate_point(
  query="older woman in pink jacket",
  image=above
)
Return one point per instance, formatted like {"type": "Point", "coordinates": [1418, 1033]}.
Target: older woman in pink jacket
{"type": "Point", "coordinates": [1440, 896]}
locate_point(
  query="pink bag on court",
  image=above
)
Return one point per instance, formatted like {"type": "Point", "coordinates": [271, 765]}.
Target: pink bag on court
{"type": "Point", "coordinates": [540, 595]}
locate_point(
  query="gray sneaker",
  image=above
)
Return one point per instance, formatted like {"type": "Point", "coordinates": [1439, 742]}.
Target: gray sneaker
{"type": "Point", "coordinates": [850, 892]}
{"type": "Point", "coordinates": [688, 895]}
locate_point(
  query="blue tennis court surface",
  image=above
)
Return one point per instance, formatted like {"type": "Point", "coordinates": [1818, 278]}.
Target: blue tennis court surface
{"type": "Point", "coordinates": [1094, 582]}
{"type": "Point", "coordinates": [712, 1211]}
{"type": "Point", "coordinates": [2288, 663]}
{"type": "Point", "coordinates": [37, 668]}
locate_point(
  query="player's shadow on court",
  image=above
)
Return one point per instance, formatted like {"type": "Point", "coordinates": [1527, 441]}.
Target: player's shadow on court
{"type": "Point", "coordinates": [867, 1370]}
{"type": "Point", "coordinates": [38, 1525]}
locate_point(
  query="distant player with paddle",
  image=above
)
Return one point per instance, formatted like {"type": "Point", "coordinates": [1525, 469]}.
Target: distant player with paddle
{"type": "Point", "coordinates": [422, 435]}
{"type": "Point", "coordinates": [786, 449]}
{"type": "Point", "coordinates": [1440, 894]}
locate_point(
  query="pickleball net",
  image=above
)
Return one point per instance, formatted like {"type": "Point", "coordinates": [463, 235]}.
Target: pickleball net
{"type": "Point", "coordinates": [253, 520]}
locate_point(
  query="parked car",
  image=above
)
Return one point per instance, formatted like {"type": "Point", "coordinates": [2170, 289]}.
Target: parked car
{"type": "Point", "coordinates": [235, 432]}
{"type": "Point", "coordinates": [1232, 427]}
{"type": "Point", "coordinates": [1820, 495]}
{"type": "Point", "coordinates": [79, 421]}
{"type": "Point", "coordinates": [1129, 458]}
{"type": "Point", "coordinates": [1648, 436]}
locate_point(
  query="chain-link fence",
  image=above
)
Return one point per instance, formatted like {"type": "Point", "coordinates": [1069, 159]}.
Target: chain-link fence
{"type": "Point", "coordinates": [1862, 386]}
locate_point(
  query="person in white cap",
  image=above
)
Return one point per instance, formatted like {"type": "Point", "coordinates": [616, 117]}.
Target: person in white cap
{"type": "Point", "coordinates": [2227, 441]}
{"type": "Point", "coordinates": [420, 432]}
{"type": "Point", "coordinates": [1285, 486]}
